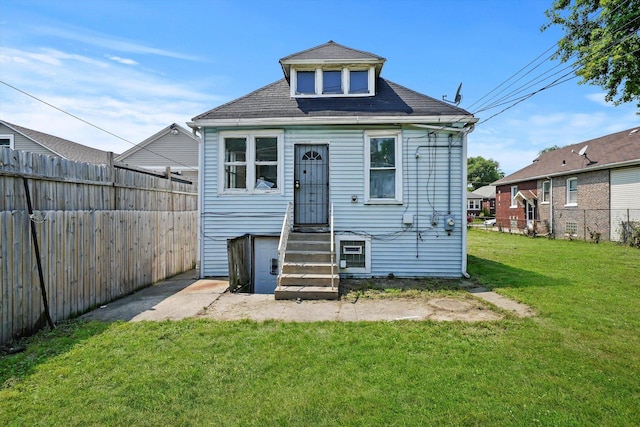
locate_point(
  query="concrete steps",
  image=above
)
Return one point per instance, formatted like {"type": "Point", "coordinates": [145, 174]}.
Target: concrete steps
{"type": "Point", "coordinates": [306, 271]}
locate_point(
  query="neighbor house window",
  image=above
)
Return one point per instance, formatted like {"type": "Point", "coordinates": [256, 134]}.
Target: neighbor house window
{"type": "Point", "coordinates": [383, 182]}
{"type": "Point", "coordinates": [354, 253]}
{"type": "Point", "coordinates": [6, 141]}
{"type": "Point", "coordinates": [252, 162]}
{"type": "Point", "coordinates": [514, 192]}
{"type": "Point", "coordinates": [331, 82]}
{"type": "Point", "coordinates": [473, 204]}
{"type": "Point", "coordinates": [571, 228]}
{"type": "Point", "coordinates": [546, 191]}
{"type": "Point", "coordinates": [572, 191]}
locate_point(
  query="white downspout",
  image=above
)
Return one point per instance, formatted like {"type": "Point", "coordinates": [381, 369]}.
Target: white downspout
{"type": "Point", "coordinates": [463, 138]}
{"type": "Point", "coordinates": [551, 206]}
{"type": "Point", "coordinates": [201, 172]}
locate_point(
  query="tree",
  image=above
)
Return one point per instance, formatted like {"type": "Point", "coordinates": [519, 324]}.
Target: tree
{"type": "Point", "coordinates": [481, 171]}
{"type": "Point", "coordinates": [546, 150]}
{"type": "Point", "coordinates": [602, 38]}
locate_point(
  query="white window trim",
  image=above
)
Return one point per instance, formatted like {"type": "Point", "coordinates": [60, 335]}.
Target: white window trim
{"type": "Point", "coordinates": [367, 164]}
{"type": "Point", "coordinates": [477, 204]}
{"type": "Point", "coordinates": [567, 203]}
{"type": "Point", "coordinates": [514, 203]}
{"type": "Point", "coordinates": [250, 161]}
{"type": "Point", "coordinates": [543, 202]}
{"type": "Point", "coordinates": [8, 136]}
{"type": "Point", "coordinates": [367, 255]}
{"type": "Point", "coordinates": [319, 84]}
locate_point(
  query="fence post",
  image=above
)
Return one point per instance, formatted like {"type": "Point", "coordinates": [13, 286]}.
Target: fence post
{"type": "Point", "coordinates": [112, 178]}
{"type": "Point", "coordinates": [36, 247]}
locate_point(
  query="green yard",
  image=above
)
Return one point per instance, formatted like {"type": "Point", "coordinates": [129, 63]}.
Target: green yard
{"type": "Point", "coordinates": [576, 363]}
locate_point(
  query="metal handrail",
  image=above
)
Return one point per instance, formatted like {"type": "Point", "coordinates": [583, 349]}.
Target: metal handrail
{"type": "Point", "coordinates": [333, 249]}
{"type": "Point", "coordinates": [287, 226]}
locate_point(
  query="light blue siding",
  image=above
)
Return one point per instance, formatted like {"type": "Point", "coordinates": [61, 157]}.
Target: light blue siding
{"type": "Point", "coordinates": [417, 250]}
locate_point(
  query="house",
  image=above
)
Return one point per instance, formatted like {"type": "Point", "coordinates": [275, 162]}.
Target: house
{"type": "Point", "coordinates": [173, 147]}
{"type": "Point", "coordinates": [332, 146]}
{"type": "Point", "coordinates": [482, 200]}
{"type": "Point", "coordinates": [586, 190]}
{"type": "Point", "coordinates": [21, 138]}
{"type": "Point", "coordinates": [474, 204]}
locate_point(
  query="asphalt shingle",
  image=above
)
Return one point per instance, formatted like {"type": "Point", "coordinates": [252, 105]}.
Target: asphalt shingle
{"type": "Point", "coordinates": [607, 150]}
{"type": "Point", "coordinates": [275, 101]}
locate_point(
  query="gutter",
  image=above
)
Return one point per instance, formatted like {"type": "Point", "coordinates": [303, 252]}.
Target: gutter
{"type": "Point", "coordinates": [334, 120]}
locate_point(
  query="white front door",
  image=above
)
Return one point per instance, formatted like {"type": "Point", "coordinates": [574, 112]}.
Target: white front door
{"type": "Point", "coordinates": [531, 213]}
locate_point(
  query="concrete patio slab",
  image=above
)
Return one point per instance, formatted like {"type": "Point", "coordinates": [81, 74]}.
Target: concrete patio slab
{"type": "Point", "coordinates": [185, 296]}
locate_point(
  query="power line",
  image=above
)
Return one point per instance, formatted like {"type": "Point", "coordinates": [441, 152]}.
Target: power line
{"type": "Point", "coordinates": [91, 124]}
{"type": "Point", "coordinates": [511, 96]}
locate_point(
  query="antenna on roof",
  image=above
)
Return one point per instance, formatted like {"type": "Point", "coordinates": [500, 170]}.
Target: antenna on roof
{"type": "Point", "coordinates": [457, 99]}
{"type": "Point", "coordinates": [583, 153]}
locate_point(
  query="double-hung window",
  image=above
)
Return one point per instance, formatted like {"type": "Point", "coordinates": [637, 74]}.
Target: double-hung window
{"type": "Point", "coordinates": [546, 191]}
{"type": "Point", "coordinates": [473, 204]}
{"type": "Point", "coordinates": [6, 141]}
{"type": "Point", "coordinates": [572, 191]}
{"type": "Point", "coordinates": [514, 193]}
{"type": "Point", "coordinates": [383, 166]}
{"type": "Point", "coordinates": [251, 162]}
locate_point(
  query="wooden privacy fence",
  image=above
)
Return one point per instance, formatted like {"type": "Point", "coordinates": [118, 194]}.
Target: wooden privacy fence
{"type": "Point", "coordinates": [103, 232]}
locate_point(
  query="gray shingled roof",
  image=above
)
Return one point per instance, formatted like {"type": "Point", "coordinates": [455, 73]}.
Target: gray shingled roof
{"type": "Point", "coordinates": [486, 191]}
{"type": "Point", "coordinates": [67, 149]}
{"type": "Point", "coordinates": [607, 151]}
{"type": "Point", "coordinates": [275, 101]}
{"type": "Point", "coordinates": [331, 50]}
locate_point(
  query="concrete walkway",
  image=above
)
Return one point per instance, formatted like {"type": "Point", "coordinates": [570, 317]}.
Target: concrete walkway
{"type": "Point", "coordinates": [176, 298]}
{"type": "Point", "coordinates": [185, 296]}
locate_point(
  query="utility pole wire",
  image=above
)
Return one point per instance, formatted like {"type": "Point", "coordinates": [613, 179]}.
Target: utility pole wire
{"type": "Point", "coordinates": [91, 124]}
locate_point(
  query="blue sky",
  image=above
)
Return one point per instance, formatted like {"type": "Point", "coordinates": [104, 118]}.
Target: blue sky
{"type": "Point", "coordinates": [134, 67]}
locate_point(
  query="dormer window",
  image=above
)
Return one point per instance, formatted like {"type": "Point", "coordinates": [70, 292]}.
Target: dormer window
{"type": "Point", "coordinates": [358, 81]}
{"type": "Point", "coordinates": [306, 83]}
{"type": "Point", "coordinates": [332, 82]}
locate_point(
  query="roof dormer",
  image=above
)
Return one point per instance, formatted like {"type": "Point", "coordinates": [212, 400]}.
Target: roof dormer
{"type": "Point", "coordinates": [332, 70]}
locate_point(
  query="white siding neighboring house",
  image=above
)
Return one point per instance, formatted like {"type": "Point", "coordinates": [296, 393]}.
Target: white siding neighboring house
{"type": "Point", "coordinates": [25, 139]}
{"type": "Point", "coordinates": [173, 147]}
{"type": "Point", "coordinates": [390, 160]}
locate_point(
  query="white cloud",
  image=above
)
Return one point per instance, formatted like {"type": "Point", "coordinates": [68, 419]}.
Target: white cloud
{"type": "Point", "coordinates": [598, 98]}
{"type": "Point", "coordinates": [122, 60]}
{"type": "Point", "coordinates": [131, 102]}
{"type": "Point", "coordinates": [109, 42]}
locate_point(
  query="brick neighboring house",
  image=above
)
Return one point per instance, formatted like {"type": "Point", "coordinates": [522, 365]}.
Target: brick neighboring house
{"type": "Point", "coordinates": [583, 191]}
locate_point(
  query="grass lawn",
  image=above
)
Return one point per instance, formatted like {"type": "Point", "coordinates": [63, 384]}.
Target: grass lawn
{"type": "Point", "coordinates": [576, 363]}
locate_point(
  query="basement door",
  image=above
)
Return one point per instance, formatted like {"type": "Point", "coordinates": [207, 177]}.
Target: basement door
{"type": "Point", "coordinates": [311, 181]}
